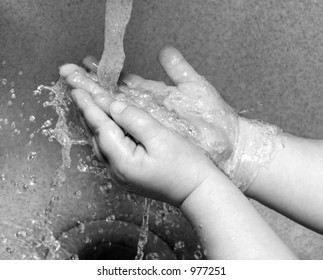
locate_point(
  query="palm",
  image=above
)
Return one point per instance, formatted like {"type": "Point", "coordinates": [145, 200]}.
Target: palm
{"type": "Point", "coordinates": [200, 104]}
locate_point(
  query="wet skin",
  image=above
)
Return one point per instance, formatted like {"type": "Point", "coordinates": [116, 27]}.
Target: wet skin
{"type": "Point", "coordinates": [207, 120]}
{"type": "Point", "coordinates": [26, 189]}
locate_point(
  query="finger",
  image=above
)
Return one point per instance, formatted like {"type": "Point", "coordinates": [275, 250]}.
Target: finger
{"type": "Point", "coordinates": [109, 136]}
{"type": "Point", "coordinates": [132, 80]}
{"type": "Point", "coordinates": [81, 81]}
{"type": "Point", "coordinates": [135, 81]}
{"type": "Point", "coordinates": [103, 101]}
{"type": "Point", "coordinates": [97, 151]}
{"type": "Point", "coordinates": [68, 69]}
{"type": "Point", "coordinates": [92, 114]}
{"type": "Point", "coordinates": [176, 66]}
{"type": "Point", "coordinates": [91, 63]}
{"type": "Point", "coordinates": [86, 128]}
{"type": "Point", "coordinates": [136, 122]}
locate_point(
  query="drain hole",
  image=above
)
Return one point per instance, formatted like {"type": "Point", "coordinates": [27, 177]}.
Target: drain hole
{"type": "Point", "coordinates": [100, 240]}
{"type": "Point", "coordinates": [108, 251]}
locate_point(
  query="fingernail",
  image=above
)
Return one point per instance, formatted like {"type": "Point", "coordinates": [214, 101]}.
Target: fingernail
{"type": "Point", "coordinates": [117, 107]}
{"type": "Point", "coordinates": [68, 69]}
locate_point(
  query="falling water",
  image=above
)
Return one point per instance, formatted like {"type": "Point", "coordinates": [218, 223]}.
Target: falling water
{"type": "Point", "coordinates": [116, 19]}
{"type": "Point", "coordinates": [143, 234]}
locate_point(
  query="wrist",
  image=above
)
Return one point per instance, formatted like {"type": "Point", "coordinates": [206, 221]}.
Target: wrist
{"type": "Point", "coordinates": [255, 146]}
{"type": "Point", "coordinates": [207, 189]}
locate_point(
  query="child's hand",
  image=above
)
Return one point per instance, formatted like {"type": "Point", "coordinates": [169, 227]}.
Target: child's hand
{"type": "Point", "coordinates": [144, 157]}
{"type": "Point", "coordinates": [238, 146]}
{"type": "Point", "coordinates": [193, 99]}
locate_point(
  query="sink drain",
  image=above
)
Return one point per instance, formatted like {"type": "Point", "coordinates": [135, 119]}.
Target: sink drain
{"type": "Point", "coordinates": [102, 240]}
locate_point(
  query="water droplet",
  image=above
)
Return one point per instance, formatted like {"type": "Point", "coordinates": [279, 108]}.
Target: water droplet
{"type": "Point", "coordinates": [105, 188]}
{"type": "Point", "coordinates": [89, 205]}
{"type": "Point", "coordinates": [3, 239]}
{"type": "Point", "coordinates": [205, 252]}
{"type": "Point", "coordinates": [100, 230]}
{"type": "Point", "coordinates": [36, 92]}
{"type": "Point", "coordinates": [33, 180]}
{"type": "Point", "coordinates": [9, 103]}
{"type": "Point", "coordinates": [74, 257]}
{"type": "Point", "coordinates": [32, 118]}
{"type": "Point", "coordinates": [5, 121]}
{"type": "Point", "coordinates": [13, 96]}
{"type": "Point", "coordinates": [78, 194]}
{"type": "Point", "coordinates": [179, 245]}
{"type": "Point", "coordinates": [87, 239]}
{"type": "Point", "coordinates": [108, 186]}
{"type": "Point", "coordinates": [46, 124]}
{"type": "Point", "coordinates": [197, 255]}
{"type": "Point", "coordinates": [152, 256]}
{"type": "Point", "coordinates": [18, 192]}
{"type": "Point", "coordinates": [31, 156]}
{"type": "Point", "coordinates": [88, 158]}
{"type": "Point", "coordinates": [80, 227]}
{"type": "Point", "coordinates": [21, 234]}
{"type": "Point", "coordinates": [110, 218]}
{"type": "Point", "coordinates": [47, 211]}
{"type": "Point", "coordinates": [3, 177]}
{"type": "Point", "coordinates": [12, 91]}
{"type": "Point", "coordinates": [25, 187]}
{"type": "Point", "coordinates": [10, 250]}
{"type": "Point", "coordinates": [55, 246]}
{"type": "Point", "coordinates": [82, 167]}
{"type": "Point", "coordinates": [167, 232]}
{"type": "Point", "coordinates": [20, 73]}
{"type": "Point", "coordinates": [4, 81]}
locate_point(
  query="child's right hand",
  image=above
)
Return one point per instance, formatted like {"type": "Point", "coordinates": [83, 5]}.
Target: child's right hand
{"type": "Point", "coordinates": [144, 157]}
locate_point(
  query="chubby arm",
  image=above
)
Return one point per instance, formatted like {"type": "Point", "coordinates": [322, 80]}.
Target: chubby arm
{"type": "Point", "coordinates": [293, 182]}
{"type": "Point", "coordinates": [228, 225]}
{"type": "Point", "coordinates": [152, 160]}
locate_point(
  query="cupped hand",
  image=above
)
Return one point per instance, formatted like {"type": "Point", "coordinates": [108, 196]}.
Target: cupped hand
{"type": "Point", "coordinates": [194, 102]}
{"type": "Point", "coordinates": [143, 156]}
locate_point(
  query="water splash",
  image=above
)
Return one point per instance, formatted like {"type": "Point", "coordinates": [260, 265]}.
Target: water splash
{"type": "Point", "coordinates": [67, 130]}
{"type": "Point", "coordinates": [144, 230]}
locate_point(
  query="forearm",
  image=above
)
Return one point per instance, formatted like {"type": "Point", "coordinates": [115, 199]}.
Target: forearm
{"type": "Point", "coordinates": [227, 224]}
{"type": "Point", "coordinates": [293, 182]}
